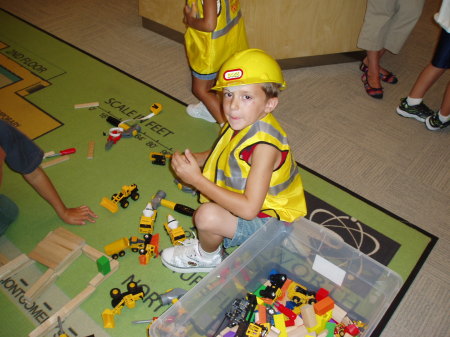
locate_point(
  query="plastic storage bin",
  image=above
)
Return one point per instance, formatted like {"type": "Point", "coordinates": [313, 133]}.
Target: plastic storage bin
{"type": "Point", "coordinates": [309, 254]}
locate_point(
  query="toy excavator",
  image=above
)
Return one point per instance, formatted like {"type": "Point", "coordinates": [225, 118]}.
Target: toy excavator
{"type": "Point", "coordinates": [119, 300]}
{"type": "Point", "coordinates": [121, 198]}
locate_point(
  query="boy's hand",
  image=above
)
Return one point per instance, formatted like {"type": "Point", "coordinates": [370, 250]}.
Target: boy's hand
{"type": "Point", "coordinates": [78, 216]}
{"type": "Point", "coordinates": [186, 167]}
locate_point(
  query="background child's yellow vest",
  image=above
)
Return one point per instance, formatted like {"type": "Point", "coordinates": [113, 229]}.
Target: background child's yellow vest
{"type": "Point", "coordinates": [207, 51]}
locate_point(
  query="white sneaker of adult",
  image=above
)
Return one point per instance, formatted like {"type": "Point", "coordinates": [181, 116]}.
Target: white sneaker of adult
{"type": "Point", "coordinates": [187, 258]}
{"type": "Point", "coordinates": [199, 110]}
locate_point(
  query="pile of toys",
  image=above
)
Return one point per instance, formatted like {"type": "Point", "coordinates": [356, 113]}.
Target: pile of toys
{"type": "Point", "coordinates": [148, 246]}
{"type": "Point", "coordinates": [284, 308]}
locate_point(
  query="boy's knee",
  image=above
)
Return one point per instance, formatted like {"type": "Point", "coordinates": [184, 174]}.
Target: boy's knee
{"type": "Point", "coordinates": [205, 216]}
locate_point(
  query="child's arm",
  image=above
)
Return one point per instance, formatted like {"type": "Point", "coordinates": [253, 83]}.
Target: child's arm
{"type": "Point", "coordinates": [209, 21]}
{"type": "Point", "coordinates": [264, 160]}
{"type": "Point", "coordinates": [43, 185]}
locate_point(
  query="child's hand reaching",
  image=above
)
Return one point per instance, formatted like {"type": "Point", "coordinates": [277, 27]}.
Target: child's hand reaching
{"type": "Point", "coordinates": [78, 216]}
{"type": "Point", "coordinates": [186, 167]}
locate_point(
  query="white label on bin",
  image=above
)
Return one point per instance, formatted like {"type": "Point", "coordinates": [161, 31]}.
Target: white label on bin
{"type": "Point", "coordinates": [329, 270]}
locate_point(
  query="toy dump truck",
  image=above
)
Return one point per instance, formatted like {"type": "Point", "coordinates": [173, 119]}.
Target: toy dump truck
{"type": "Point", "coordinates": [121, 198]}
{"type": "Point", "coordinates": [117, 248]}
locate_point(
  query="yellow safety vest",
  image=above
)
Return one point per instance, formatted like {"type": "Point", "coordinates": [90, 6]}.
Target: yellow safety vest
{"type": "Point", "coordinates": [285, 199]}
{"type": "Point", "coordinates": [207, 51]}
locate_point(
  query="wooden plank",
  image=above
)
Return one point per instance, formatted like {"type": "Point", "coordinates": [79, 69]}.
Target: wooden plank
{"type": "Point", "coordinates": [15, 265]}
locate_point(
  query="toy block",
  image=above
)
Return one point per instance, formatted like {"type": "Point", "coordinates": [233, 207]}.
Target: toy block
{"type": "Point", "coordinates": [97, 280]}
{"type": "Point", "coordinates": [55, 161]}
{"type": "Point", "coordinates": [284, 289]}
{"type": "Point", "coordinates": [309, 316]}
{"type": "Point", "coordinates": [278, 320]}
{"type": "Point", "coordinates": [86, 105]}
{"type": "Point", "coordinates": [330, 326]}
{"type": "Point", "coordinates": [324, 333]}
{"type": "Point", "coordinates": [352, 329]}
{"type": "Point", "coordinates": [66, 238]}
{"type": "Point", "coordinates": [3, 260]}
{"type": "Point", "coordinates": [91, 147]}
{"type": "Point", "coordinates": [324, 305]}
{"type": "Point", "coordinates": [15, 265]}
{"type": "Point", "coordinates": [338, 313]}
{"type": "Point", "coordinates": [92, 253]}
{"type": "Point", "coordinates": [321, 294]}
{"type": "Point", "coordinates": [273, 332]}
{"type": "Point", "coordinates": [297, 331]}
{"type": "Point", "coordinates": [262, 314]}
{"type": "Point", "coordinates": [40, 285]}
{"type": "Point", "coordinates": [103, 265]}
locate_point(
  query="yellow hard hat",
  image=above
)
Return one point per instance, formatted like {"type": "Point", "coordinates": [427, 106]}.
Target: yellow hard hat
{"type": "Point", "coordinates": [249, 66]}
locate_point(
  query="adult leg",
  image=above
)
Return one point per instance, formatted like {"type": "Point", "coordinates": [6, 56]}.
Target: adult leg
{"type": "Point", "coordinates": [202, 90]}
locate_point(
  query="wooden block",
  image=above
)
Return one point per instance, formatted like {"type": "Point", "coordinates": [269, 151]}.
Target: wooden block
{"type": "Point", "coordinates": [309, 316]}
{"type": "Point", "coordinates": [15, 265]}
{"type": "Point", "coordinates": [3, 260]}
{"type": "Point", "coordinates": [338, 313]}
{"type": "Point", "coordinates": [90, 153]}
{"type": "Point", "coordinates": [97, 280]}
{"type": "Point", "coordinates": [49, 253]}
{"type": "Point", "coordinates": [92, 253]}
{"type": "Point", "coordinates": [40, 285]}
{"type": "Point", "coordinates": [297, 331]}
{"type": "Point", "coordinates": [64, 233]}
{"type": "Point", "coordinates": [86, 105]}
{"type": "Point", "coordinates": [55, 161]}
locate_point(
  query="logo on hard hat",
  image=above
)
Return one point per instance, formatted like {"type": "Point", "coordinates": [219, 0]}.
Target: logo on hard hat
{"type": "Point", "coordinates": [233, 74]}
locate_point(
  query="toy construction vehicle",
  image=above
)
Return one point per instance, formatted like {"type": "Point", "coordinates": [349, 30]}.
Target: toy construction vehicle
{"type": "Point", "coordinates": [158, 158]}
{"type": "Point", "coordinates": [150, 249]}
{"type": "Point", "coordinates": [175, 231]}
{"type": "Point", "coordinates": [147, 220]}
{"type": "Point", "coordinates": [121, 198]}
{"type": "Point", "coordinates": [117, 248]}
{"type": "Point", "coordinates": [119, 300]}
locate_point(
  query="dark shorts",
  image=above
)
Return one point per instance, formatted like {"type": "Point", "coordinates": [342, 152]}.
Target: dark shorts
{"type": "Point", "coordinates": [441, 58]}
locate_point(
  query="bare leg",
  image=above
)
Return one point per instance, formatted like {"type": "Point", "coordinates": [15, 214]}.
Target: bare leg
{"type": "Point", "coordinates": [445, 106]}
{"type": "Point", "coordinates": [429, 75]}
{"type": "Point", "coordinates": [380, 55]}
{"type": "Point", "coordinates": [373, 63]}
{"type": "Point", "coordinates": [214, 223]}
{"type": "Point", "coordinates": [202, 90]}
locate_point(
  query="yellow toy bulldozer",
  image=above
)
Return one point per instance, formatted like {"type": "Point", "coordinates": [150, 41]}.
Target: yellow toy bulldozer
{"type": "Point", "coordinates": [121, 198]}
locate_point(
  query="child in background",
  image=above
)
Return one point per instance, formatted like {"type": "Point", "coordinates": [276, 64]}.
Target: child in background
{"type": "Point", "coordinates": [24, 157]}
{"type": "Point", "coordinates": [413, 105]}
{"type": "Point", "coordinates": [215, 31]}
{"type": "Point", "coordinates": [249, 177]}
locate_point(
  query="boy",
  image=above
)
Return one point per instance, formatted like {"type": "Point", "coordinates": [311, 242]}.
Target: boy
{"type": "Point", "coordinates": [24, 157]}
{"type": "Point", "coordinates": [250, 176]}
{"type": "Point", "coordinates": [215, 31]}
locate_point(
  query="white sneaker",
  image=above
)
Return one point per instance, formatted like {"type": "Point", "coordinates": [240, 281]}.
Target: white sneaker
{"type": "Point", "coordinates": [187, 259]}
{"type": "Point", "coordinates": [199, 110]}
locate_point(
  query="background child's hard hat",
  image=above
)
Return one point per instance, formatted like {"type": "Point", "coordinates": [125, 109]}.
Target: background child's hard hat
{"type": "Point", "coordinates": [249, 66]}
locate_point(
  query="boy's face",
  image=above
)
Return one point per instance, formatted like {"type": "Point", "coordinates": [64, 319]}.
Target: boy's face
{"type": "Point", "coordinates": [243, 105]}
